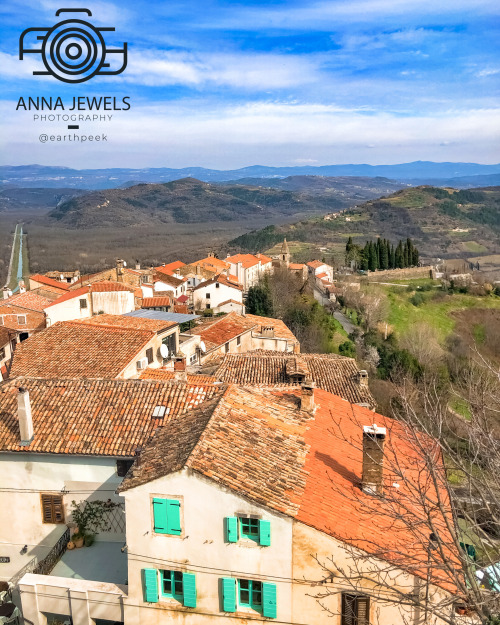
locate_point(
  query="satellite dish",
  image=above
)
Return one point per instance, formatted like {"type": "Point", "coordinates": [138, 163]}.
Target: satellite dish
{"type": "Point", "coordinates": [124, 263]}
{"type": "Point", "coordinates": [203, 347]}
{"type": "Point", "coordinates": [164, 351]}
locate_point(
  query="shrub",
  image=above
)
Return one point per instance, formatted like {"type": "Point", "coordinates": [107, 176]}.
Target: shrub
{"type": "Point", "coordinates": [417, 299]}
{"type": "Point", "coordinates": [347, 349]}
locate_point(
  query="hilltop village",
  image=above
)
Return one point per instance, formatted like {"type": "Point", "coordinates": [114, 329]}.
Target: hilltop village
{"type": "Point", "coordinates": [170, 457]}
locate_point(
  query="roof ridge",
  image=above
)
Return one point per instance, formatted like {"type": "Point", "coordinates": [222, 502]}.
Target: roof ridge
{"type": "Point", "coordinates": [81, 322]}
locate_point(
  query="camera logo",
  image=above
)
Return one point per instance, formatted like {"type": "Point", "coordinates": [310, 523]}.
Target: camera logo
{"type": "Point", "coordinates": [73, 50]}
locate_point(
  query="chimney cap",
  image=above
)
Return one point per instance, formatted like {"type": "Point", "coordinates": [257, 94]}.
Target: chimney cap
{"type": "Point", "coordinates": [374, 430]}
{"type": "Point", "coordinates": [21, 389]}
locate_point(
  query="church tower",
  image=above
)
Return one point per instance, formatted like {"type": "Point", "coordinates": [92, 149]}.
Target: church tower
{"type": "Point", "coordinates": [285, 254]}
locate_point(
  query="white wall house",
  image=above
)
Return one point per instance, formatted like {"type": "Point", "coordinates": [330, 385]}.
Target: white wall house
{"type": "Point", "coordinates": [101, 297]}
{"type": "Point", "coordinates": [249, 268]}
{"type": "Point", "coordinates": [211, 293]}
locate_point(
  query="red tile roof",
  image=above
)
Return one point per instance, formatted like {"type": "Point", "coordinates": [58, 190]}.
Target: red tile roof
{"type": "Point", "coordinates": [182, 299]}
{"type": "Point", "coordinates": [153, 302]}
{"type": "Point", "coordinates": [230, 281]}
{"type": "Point", "coordinates": [166, 376]}
{"type": "Point", "coordinates": [34, 319]}
{"type": "Point", "coordinates": [246, 260]}
{"type": "Point", "coordinates": [296, 266]}
{"type": "Point", "coordinates": [281, 330]}
{"type": "Point", "coordinates": [96, 287]}
{"type": "Point", "coordinates": [76, 349]}
{"type": "Point", "coordinates": [30, 300]}
{"type": "Point", "coordinates": [211, 261]}
{"type": "Point", "coordinates": [132, 323]}
{"type": "Point", "coordinates": [337, 374]}
{"type": "Point", "coordinates": [49, 282]}
{"type": "Point", "coordinates": [314, 264]}
{"type": "Point", "coordinates": [94, 417]}
{"type": "Point", "coordinates": [169, 279]}
{"type": "Point", "coordinates": [218, 331]}
{"type": "Point", "coordinates": [261, 445]}
{"type": "Point", "coordinates": [170, 267]}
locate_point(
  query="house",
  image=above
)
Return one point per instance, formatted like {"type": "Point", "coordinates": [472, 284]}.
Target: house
{"type": "Point", "coordinates": [166, 282]}
{"type": "Point", "coordinates": [336, 374]}
{"type": "Point", "coordinates": [158, 302]}
{"type": "Point", "coordinates": [23, 314]}
{"type": "Point", "coordinates": [66, 439]}
{"type": "Point", "coordinates": [37, 281]}
{"type": "Point", "coordinates": [64, 276]}
{"type": "Point", "coordinates": [99, 297]}
{"type": "Point", "coordinates": [211, 293]}
{"type": "Point", "coordinates": [233, 506]}
{"type": "Point", "coordinates": [228, 306]}
{"type": "Point", "coordinates": [249, 268]}
{"type": "Point", "coordinates": [170, 268]}
{"type": "Point", "coordinates": [8, 340]}
{"type": "Point", "coordinates": [316, 267]}
{"type": "Point", "coordinates": [236, 333]}
{"type": "Point", "coordinates": [105, 346]}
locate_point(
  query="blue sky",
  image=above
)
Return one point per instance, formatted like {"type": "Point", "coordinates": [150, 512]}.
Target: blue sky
{"type": "Point", "coordinates": [226, 84]}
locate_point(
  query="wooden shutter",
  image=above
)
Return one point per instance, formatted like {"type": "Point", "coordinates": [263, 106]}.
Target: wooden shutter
{"type": "Point", "coordinates": [228, 594]}
{"type": "Point", "coordinates": [363, 611]}
{"type": "Point", "coordinates": [160, 515]}
{"type": "Point", "coordinates": [348, 610]}
{"type": "Point", "coordinates": [173, 517]}
{"type": "Point", "coordinates": [269, 606]}
{"type": "Point", "coordinates": [149, 355]}
{"type": "Point", "coordinates": [231, 529]}
{"type": "Point", "coordinates": [189, 589]}
{"type": "Point", "coordinates": [52, 509]}
{"type": "Point", "coordinates": [150, 585]}
{"type": "Point", "coordinates": [264, 533]}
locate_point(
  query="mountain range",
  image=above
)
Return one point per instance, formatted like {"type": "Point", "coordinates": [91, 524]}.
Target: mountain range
{"type": "Point", "coordinates": [418, 172]}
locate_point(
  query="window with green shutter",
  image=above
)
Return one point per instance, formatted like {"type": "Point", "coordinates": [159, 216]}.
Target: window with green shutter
{"type": "Point", "coordinates": [179, 586]}
{"type": "Point", "coordinates": [167, 516]}
{"type": "Point", "coordinates": [228, 594]}
{"type": "Point", "coordinates": [231, 529]}
{"type": "Point", "coordinates": [264, 533]}
{"type": "Point", "coordinates": [269, 603]}
{"type": "Point", "coordinates": [189, 588]}
{"type": "Point", "coordinates": [250, 594]}
{"type": "Point", "coordinates": [150, 585]}
{"type": "Point", "coordinates": [248, 528]}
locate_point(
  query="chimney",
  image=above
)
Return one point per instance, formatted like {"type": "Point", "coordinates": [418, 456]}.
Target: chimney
{"type": "Point", "coordinates": [180, 373]}
{"type": "Point", "coordinates": [362, 378]}
{"type": "Point", "coordinates": [307, 396]}
{"type": "Point", "coordinates": [373, 459]}
{"type": "Point", "coordinates": [24, 416]}
{"type": "Point", "coordinates": [22, 286]}
{"type": "Point", "coordinates": [6, 292]}
{"type": "Point", "coordinates": [137, 265]}
{"type": "Point", "coordinates": [119, 269]}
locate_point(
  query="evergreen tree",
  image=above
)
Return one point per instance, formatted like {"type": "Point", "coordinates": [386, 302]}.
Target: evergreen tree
{"type": "Point", "coordinates": [259, 301]}
{"type": "Point", "coordinates": [392, 258]}
{"type": "Point", "coordinates": [399, 259]}
{"type": "Point", "coordinates": [384, 255]}
{"type": "Point", "coordinates": [415, 257]}
{"type": "Point", "coordinates": [372, 257]}
{"type": "Point", "coordinates": [349, 244]}
{"type": "Point", "coordinates": [405, 254]}
{"type": "Point", "coordinates": [363, 262]}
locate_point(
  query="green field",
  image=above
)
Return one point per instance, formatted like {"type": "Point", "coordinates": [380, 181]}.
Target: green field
{"type": "Point", "coordinates": [435, 310]}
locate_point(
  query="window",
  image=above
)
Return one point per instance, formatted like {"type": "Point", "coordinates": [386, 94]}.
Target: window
{"type": "Point", "coordinates": [52, 509]}
{"type": "Point", "coordinates": [246, 528]}
{"type": "Point", "coordinates": [355, 610]}
{"type": "Point", "coordinates": [217, 285]}
{"type": "Point", "coordinates": [249, 594]}
{"type": "Point", "coordinates": [21, 320]}
{"type": "Point", "coordinates": [83, 304]}
{"type": "Point", "coordinates": [207, 306]}
{"type": "Point", "coordinates": [207, 295]}
{"type": "Point", "coordinates": [173, 585]}
{"type": "Point", "coordinates": [226, 347]}
{"type": "Point", "coordinates": [170, 342]}
{"type": "Point", "coordinates": [192, 359]}
{"type": "Point", "coordinates": [2, 353]}
{"type": "Point", "coordinates": [167, 516]}
{"type": "Point", "coordinates": [238, 340]}
{"type": "Point", "coordinates": [122, 467]}
{"type": "Point", "coordinates": [1, 320]}
{"type": "Point", "coordinates": [149, 355]}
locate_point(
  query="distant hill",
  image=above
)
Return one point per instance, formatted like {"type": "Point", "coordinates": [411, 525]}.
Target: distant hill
{"type": "Point", "coordinates": [442, 222]}
{"type": "Point", "coordinates": [418, 172]}
{"type": "Point", "coordinates": [19, 199]}
{"type": "Point", "coordinates": [186, 201]}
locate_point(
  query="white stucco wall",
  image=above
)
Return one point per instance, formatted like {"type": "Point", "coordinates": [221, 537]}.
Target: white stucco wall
{"type": "Point", "coordinates": [201, 549]}
{"type": "Point", "coordinates": [113, 302]}
{"type": "Point", "coordinates": [68, 310]}
{"type": "Point", "coordinates": [218, 294]}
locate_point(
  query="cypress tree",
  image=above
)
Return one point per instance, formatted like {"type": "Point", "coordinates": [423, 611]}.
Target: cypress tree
{"type": "Point", "coordinates": [399, 256]}
{"type": "Point", "coordinates": [392, 258]}
{"type": "Point", "coordinates": [405, 254]}
{"type": "Point", "coordinates": [384, 256]}
{"type": "Point", "coordinates": [415, 258]}
{"type": "Point", "coordinates": [372, 257]}
{"type": "Point", "coordinates": [349, 244]}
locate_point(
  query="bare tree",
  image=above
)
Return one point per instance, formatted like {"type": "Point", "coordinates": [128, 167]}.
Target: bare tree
{"type": "Point", "coordinates": [440, 503]}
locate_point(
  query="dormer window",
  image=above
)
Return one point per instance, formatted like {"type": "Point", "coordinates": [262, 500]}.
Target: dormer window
{"type": "Point", "coordinates": [21, 320]}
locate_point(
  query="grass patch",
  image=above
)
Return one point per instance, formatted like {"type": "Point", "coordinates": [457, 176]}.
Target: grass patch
{"type": "Point", "coordinates": [479, 333]}
{"type": "Point", "coordinates": [15, 260]}
{"type": "Point", "coordinates": [461, 407]}
{"type": "Point", "coordinates": [473, 246]}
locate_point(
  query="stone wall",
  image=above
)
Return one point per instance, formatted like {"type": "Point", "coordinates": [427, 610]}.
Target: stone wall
{"type": "Point", "coordinates": [400, 274]}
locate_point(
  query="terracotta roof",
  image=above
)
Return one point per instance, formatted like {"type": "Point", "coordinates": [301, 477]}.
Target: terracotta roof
{"type": "Point", "coordinates": [76, 349]}
{"type": "Point", "coordinates": [182, 299]}
{"type": "Point", "coordinates": [49, 282]}
{"type": "Point", "coordinates": [152, 302]}
{"type": "Point", "coordinates": [221, 279]}
{"type": "Point", "coordinates": [322, 275]}
{"type": "Point", "coordinates": [165, 376]}
{"type": "Point", "coordinates": [281, 330]}
{"type": "Point", "coordinates": [132, 323]}
{"type": "Point", "coordinates": [229, 301]}
{"type": "Point", "coordinates": [94, 417]}
{"type": "Point", "coordinates": [314, 264]}
{"type": "Point", "coordinates": [296, 266]}
{"type": "Point", "coordinates": [246, 260]}
{"type": "Point", "coordinates": [96, 287]}
{"type": "Point", "coordinates": [261, 445]}
{"type": "Point", "coordinates": [264, 259]}
{"type": "Point", "coordinates": [336, 374]}
{"type": "Point", "coordinates": [218, 331]}
{"type": "Point", "coordinates": [211, 261]}
{"type": "Point", "coordinates": [170, 267]}
{"type": "Point", "coordinates": [5, 336]}
{"type": "Point", "coordinates": [30, 300]}
{"type": "Point", "coordinates": [35, 320]}
{"type": "Point", "coordinates": [168, 279]}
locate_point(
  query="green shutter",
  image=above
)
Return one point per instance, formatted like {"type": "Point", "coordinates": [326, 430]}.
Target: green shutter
{"type": "Point", "coordinates": [231, 529]}
{"type": "Point", "coordinates": [150, 585]}
{"type": "Point", "coordinates": [265, 533]}
{"type": "Point", "coordinates": [228, 594]}
{"type": "Point", "coordinates": [189, 589]}
{"type": "Point", "coordinates": [160, 515]}
{"type": "Point", "coordinates": [173, 517]}
{"type": "Point", "coordinates": [269, 608]}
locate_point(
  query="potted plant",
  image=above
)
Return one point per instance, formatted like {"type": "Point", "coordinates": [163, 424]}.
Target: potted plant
{"type": "Point", "coordinates": [90, 517]}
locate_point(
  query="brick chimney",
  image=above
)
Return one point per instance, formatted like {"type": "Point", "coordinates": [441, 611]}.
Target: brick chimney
{"type": "Point", "coordinates": [362, 378]}
{"type": "Point", "coordinates": [373, 459]}
{"type": "Point", "coordinates": [307, 396]}
{"type": "Point", "coordinates": [24, 416]}
{"type": "Point", "coordinates": [180, 373]}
